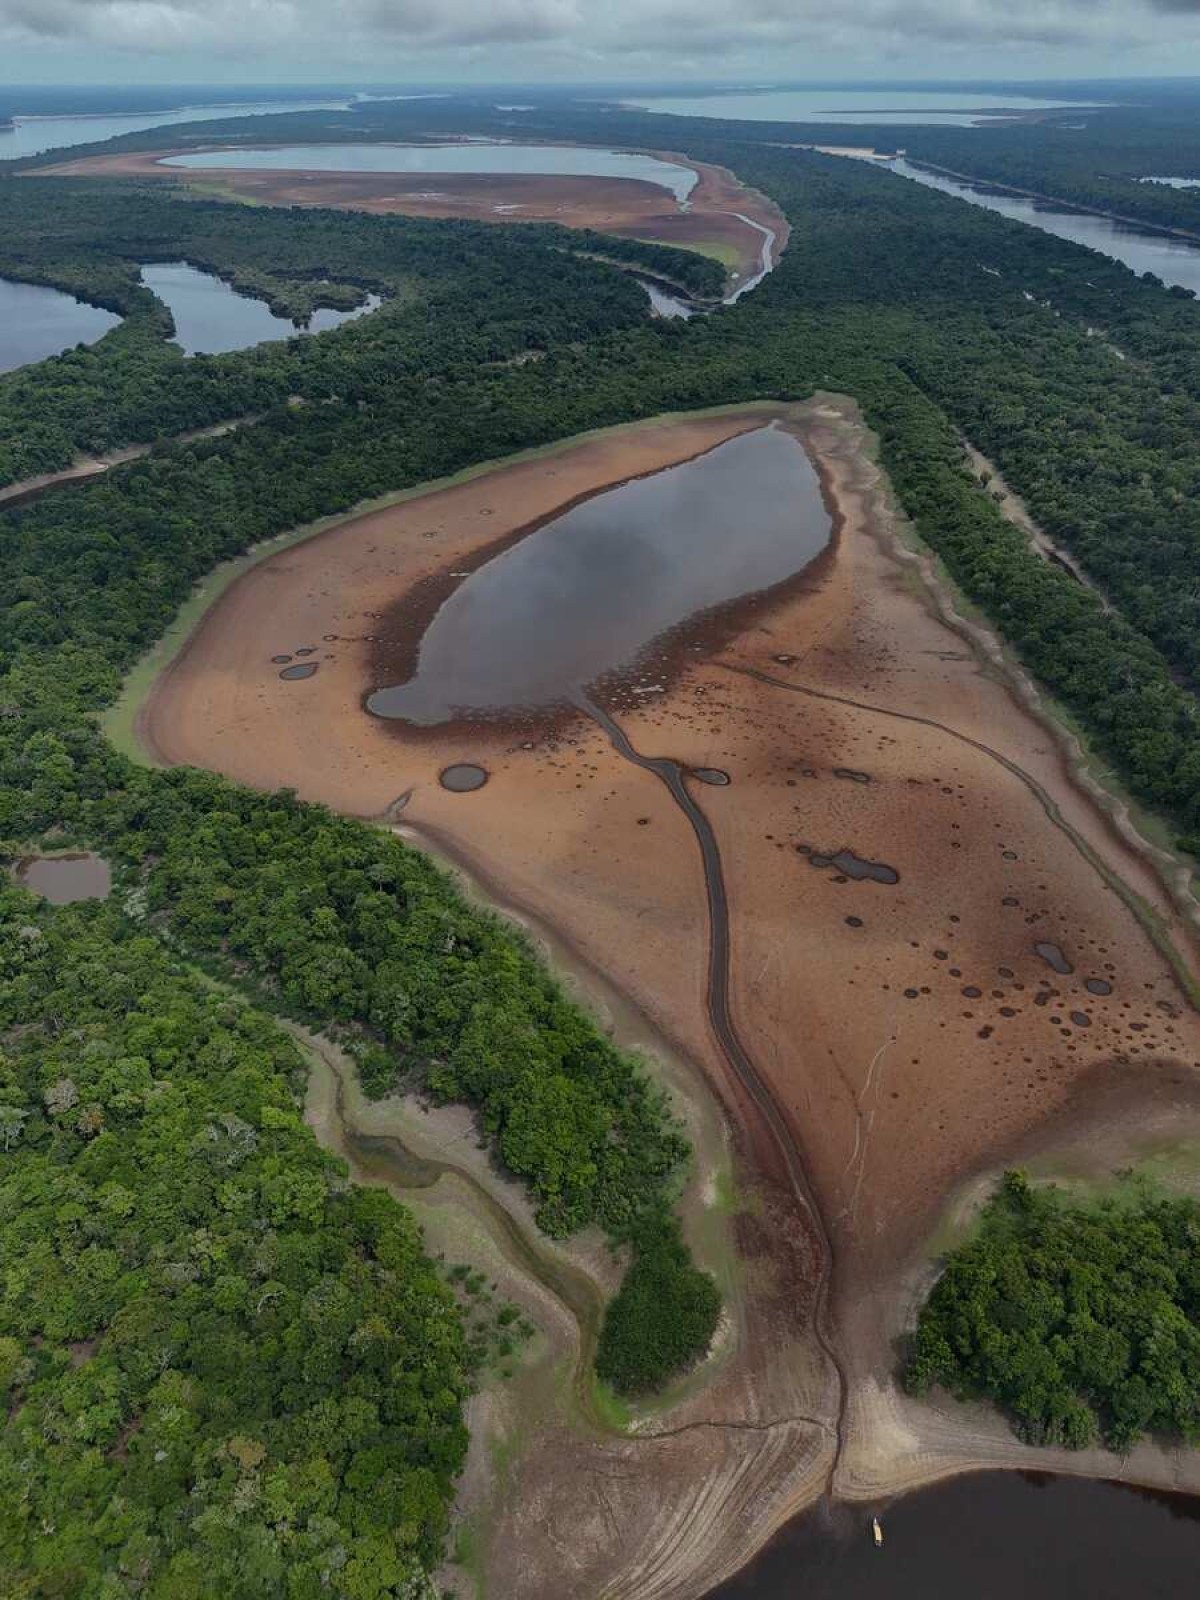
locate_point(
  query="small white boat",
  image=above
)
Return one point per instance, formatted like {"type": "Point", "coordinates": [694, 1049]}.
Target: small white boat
{"type": "Point", "coordinates": [877, 1532]}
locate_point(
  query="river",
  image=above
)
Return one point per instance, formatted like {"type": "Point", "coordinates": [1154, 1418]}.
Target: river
{"type": "Point", "coordinates": [1172, 260]}
{"type": "Point", "coordinates": [36, 322]}
{"type": "Point", "coordinates": [988, 1536]}
{"type": "Point", "coordinates": [953, 108]}
{"type": "Point", "coordinates": [29, 136]}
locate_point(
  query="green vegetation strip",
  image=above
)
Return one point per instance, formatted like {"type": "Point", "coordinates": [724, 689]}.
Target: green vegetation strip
{"type": "Point", "coordinates": [1080, 1318]}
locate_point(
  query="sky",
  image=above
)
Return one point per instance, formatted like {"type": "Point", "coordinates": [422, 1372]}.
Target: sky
{"type": "Point", "coordinates": [563, 41]}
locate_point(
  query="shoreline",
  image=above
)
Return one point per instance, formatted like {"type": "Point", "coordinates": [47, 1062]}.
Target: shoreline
{"type": "Point", "coordinates": [575, 893]}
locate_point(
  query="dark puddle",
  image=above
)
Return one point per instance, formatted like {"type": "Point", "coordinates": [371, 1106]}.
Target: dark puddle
{"type": "Point", "coordinates": [575, 602]}
{"type": "Point", "coordinates": [851, 776]}
{"type": "Point", "coordinates": [281, 661]}
{"type": "Point", "coordinates": [856, 867]}
{"type": "Point", "coordinates": [66, 878]}
{"type": "Point", "coordinates": [302, 669]}
{"type": "Point", "coordinates": [713, 775]}
{"type": "Point", "coordinates": [1097, 986]}
{"type": "Point", "coordinates": [463, 777]}
{"type": "Point", "coordinates": [1053, 957]}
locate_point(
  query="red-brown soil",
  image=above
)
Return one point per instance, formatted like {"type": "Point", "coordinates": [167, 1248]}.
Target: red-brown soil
{"type": "Point", "coordinates": [908, 1033]}
{"type": "Point", "coordinates": [627, 207]}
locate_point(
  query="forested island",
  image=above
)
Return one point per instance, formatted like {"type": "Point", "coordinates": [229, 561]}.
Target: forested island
{"type": "Point", "coordinates": [204, 1316]}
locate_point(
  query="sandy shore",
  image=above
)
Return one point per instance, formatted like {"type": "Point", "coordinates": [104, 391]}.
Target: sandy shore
{"type": "Point", "coordinates": [910, 1032]}
{"type": "Point", "coordinates": [627, 207]}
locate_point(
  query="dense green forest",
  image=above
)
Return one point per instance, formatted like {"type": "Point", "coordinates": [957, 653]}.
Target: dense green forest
{"type": "Point", "coordinates": [456, 295]}
{"type": "Point", "coordinates": [1081, 1319]}
{"type": "Point", "coordinates": [998, 334]}
{"type": "Point", "coordinates": [224, 1369]}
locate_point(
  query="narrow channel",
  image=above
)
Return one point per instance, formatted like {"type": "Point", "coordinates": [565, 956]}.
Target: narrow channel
{"type": "Point", "coordinates": [672, 775]}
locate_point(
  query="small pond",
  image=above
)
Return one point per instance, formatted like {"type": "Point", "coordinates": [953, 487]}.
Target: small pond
{"type": "Point", "coordinates": [474, 156]}
{"type": "Point", "coordinates": [584, 595]}
{"type": "Point", "coordinates": [62, 879]}
{"type": "Point", "coordinates": [211, 317]}
{"type": "Point", "coordinates": [989, 1536]}
{"type": "Point", "coordinates": [36, 322]}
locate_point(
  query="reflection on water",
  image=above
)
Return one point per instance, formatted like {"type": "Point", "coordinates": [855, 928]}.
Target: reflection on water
{"type": "Point", "coordinates": [37, 322]}
{"type": "Point", "coordinates": [585, 594]}
{"type": "Point", "coordinates": [476, 155]}
{"type": "Point", "coordinates": [1169, 259]}
{"type": "Point", "coordinates": [29, 136]}
{"type": "Point", "coordinates": [956, 108]}
{"type": "Point", "coordinates": [991, 1536]}
{"type": "Point", "coordinates": [211, 317]}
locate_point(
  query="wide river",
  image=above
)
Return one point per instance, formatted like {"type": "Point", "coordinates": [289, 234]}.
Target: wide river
{"type": "Point", "coordinates": [955, 108]}
{"type": "Point", "coordinates": [475, 155]}
{"type": "Point", "coordinates": [1169, 259]}
{"type": "Point", "coordinates": [990, 1536]}
{"type": "Point", "coordinates": [29, 136]}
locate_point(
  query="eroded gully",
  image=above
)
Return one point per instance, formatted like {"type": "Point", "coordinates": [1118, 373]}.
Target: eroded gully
{"type": "Point", "coordinates": [671, 774]}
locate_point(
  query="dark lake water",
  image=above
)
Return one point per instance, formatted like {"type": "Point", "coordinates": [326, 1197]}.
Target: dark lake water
{"type": "Point", "coordinates": [66, 878]}
{"type": "Point", "coordinates": [211, 317]}
{"type": "Point", "coordinates": [991, 1536]}
{"type": "Point", "coordinates": [29, 136]}
{"type": "Point", "coordinates": [957, 107]}
{"type": "Point", "coordinates": [1169, 259]}
{"type": "Point", "coordinates": [37, 322]}
{"type": "Point", "coordinates": [476, 155]}
{"type": "Point", "coordinates": [588, 591]}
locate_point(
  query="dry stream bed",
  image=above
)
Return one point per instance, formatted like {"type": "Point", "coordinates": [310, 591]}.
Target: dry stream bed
{"type": "Point", "coordinates": [804, 834]}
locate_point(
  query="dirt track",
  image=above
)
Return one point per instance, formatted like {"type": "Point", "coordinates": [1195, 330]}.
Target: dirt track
{"type": "Point", "coordinates": [627, 207]}
{"type": "Point", "coordinates": [909, 1031]}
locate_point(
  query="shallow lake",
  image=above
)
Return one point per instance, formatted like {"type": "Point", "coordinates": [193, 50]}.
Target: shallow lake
{"type": "Point", "coordinates": [990, 1536]}
{"type": "Point", "coordinates": [66, 878]}
{"type": "Point", "coordinates": [956, 108]}
{"type": "Point", "coordinates": [211, 317]}
{"type": "Point", "coordinates": [29, 136]}
{"type": "Point", "coordinates": [474, 156]}
{"type": "Point", "coordinates": [36, 322]}
{"type": "Point", "coordinates": [1169, 259]}
{"type": "Point", "coordinates": [583, 595]}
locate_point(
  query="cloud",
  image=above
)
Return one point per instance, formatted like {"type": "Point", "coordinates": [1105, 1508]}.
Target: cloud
{"type": "Point", "coordinates": [658, 35]}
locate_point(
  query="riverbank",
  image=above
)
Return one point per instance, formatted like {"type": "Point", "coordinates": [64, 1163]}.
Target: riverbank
{"type": "Point", "coordinates": [905, 1028]}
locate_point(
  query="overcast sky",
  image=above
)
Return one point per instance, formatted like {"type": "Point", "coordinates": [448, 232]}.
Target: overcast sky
{"type": "Point", "coordinates": [423, 41]}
